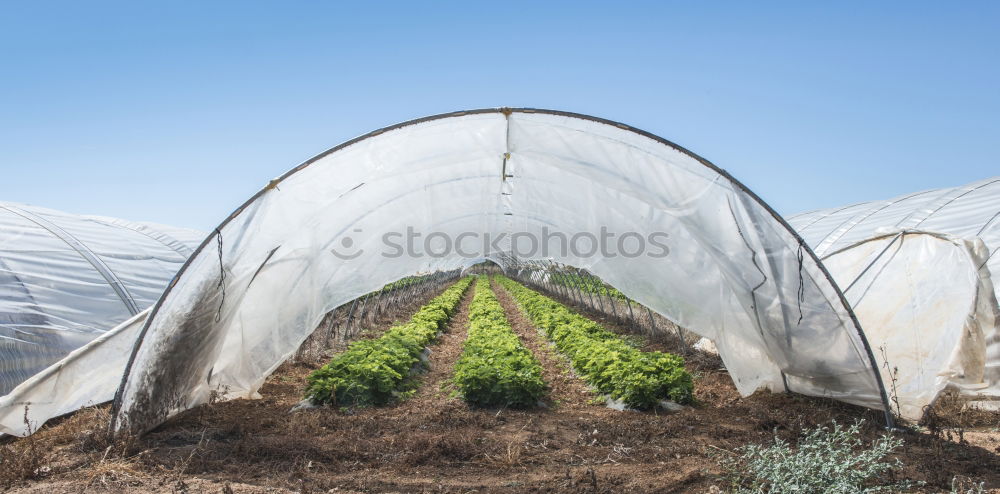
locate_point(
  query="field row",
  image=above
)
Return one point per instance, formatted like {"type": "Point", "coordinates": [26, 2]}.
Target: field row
{"type": "Point", "coordinates": [606, 362]}
{"type": "Point", "coordinates": [370, 372]}
{"type": "Point", "coordinates": [495, 368]}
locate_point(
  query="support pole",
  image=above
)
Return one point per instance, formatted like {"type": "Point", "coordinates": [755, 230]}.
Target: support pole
{"type": "Point", "coordinates": [652, 322]}
{"type": "Point", "coordinates": [631, 314]}
{"type": "Point", "coordinates": [611, 300]}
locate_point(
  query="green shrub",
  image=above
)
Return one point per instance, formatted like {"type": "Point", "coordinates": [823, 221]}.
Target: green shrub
{"type": "Point", "coordinates": [826, 460]}
{"type": "Point", "coordinates": [495, 369]}
{"type": "Point", "coordinates": [639, 379]}
{"type": "Point", "coordinates": [370, 371]}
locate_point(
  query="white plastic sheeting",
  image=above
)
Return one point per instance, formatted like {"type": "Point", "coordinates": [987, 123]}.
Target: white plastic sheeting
{"type": "Point", "coordinates": [967, 211]}
{"type": "Point", "coordinates": [87, 376]}
{"type": "Point", "coordinates": [66, 279]}
{"type": "Point", "coordinates": [735, 271]}
{"type": "Point", "coordinates": [927, 304]}
{"type": "Point", "coordinates": [938, 287]}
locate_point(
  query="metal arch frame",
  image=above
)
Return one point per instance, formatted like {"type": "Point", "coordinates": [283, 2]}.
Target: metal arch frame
{"type": "Point", "coordinates": [938, 201]}
{"type": "Point", "coordinates": [875, 207]}
{"type": "Point", "coordinates": [88, 255]}
{"type": "Point", "coordinates": [822, 214]}
{"type": "Point", "coordinates": [116, 407]}
{"type": "Point", "coordinates": [155, 235]}
{"type": "Point", "coordinates": [946, 197]}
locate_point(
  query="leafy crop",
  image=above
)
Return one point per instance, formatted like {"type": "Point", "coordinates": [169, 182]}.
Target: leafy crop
{"type": "Point", "coordinates": [495, 369]}
{"type": "Point", "coordinates": [586, 284]}
{"type": "Point", "coordinates": [370, 371]}
{"type": "Point", "coordinates": [401, 283]}
{"type": "Point", "coordinates": [639, 379]}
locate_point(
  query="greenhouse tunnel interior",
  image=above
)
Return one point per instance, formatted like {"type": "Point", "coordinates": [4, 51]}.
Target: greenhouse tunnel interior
{"type": "Point", "coordinates": [315, 238]}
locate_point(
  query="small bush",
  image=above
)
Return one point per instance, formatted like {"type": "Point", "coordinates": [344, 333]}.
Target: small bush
{"type": "Point", "coordinates": [371, 371]}
{"type": "Point", "coordinates": [965, 485]}
{"type": "Point", "coordinates": [826, 460]}
{"type": "Point", "coordinates": [608, 363]}
{"type": "Point", "coordinates": [495, 369]}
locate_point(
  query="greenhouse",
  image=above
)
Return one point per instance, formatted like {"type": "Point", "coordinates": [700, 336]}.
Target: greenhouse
{"type": "Point", "coordinates": [315, 238]}
{"type": "Point", "coordinates": [855, 325]}
{"type": "Point", "coordinates": [411, 279]}
{"type": "Point", "coordinates": [916, 269]}
{"type": "Point", "coordinates": [67, 279]}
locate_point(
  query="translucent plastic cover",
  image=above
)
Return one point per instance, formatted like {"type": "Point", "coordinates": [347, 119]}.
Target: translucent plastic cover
{"type": "Point", "coordinates": [86, 376]}
{"type": "Point", "coordinates": [318, 237]}
{"type": "Point", "coordinates": [943, 282]}
{"type": "Point", "coordinates": [967, 211]}
{"type": "Point", "coordinates": [928, 307]}
{"type": "Point", "coordinates": [66, 279]}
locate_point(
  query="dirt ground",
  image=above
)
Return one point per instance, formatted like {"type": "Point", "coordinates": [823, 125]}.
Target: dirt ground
{"type": "Point", "coordinates": [433, 442]}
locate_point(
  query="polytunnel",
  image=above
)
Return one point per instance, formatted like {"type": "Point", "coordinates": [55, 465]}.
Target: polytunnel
{"type": "Point", "coordinates": [921, 272]}
{"type": "Point", "coordinates": [66, 279]}
{"type": "Point", "coordinates": [475, 184]}
{"type": "Point", "coordinates": [966, 211]}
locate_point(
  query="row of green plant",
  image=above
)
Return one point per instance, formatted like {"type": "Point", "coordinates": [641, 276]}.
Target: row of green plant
{"type": "Point", "coordinates": [401, 283]}
{"type": "Point", "coordinates": [586, 284]}
{"type": "Point", "coordinates": [605, 361]}
{"type": "Point", "coordinates": [371, 371]}
{"type": "Point", "coordinates": [495, 369]}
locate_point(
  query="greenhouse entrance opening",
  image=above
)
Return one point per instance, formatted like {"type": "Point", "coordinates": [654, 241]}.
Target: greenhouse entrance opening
{"type": "Point", "coordinates": [716, 260]}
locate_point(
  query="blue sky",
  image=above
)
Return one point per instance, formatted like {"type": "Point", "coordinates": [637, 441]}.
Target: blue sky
{"type": "Point", "coordinates": [177, 112]}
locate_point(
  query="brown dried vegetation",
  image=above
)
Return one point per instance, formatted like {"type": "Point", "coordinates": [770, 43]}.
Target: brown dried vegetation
{"type": "Point", "coordinates": [434, 442]}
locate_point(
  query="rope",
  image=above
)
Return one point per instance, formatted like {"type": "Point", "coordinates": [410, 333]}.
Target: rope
{"type": "Point", "coordinates": [222, 275]}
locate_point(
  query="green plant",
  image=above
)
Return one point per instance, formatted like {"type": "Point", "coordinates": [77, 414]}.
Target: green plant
{"type": "Point", "coordinates": [495, 369]}
{"type": "Point", "coordinates": [606, 361]}
{"type": "Point", "coordinates": [587, 284]}
{"type": "Point", "coordinates": [826, 460]}
{"type": "Point", "coordinates": [370, 372]}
